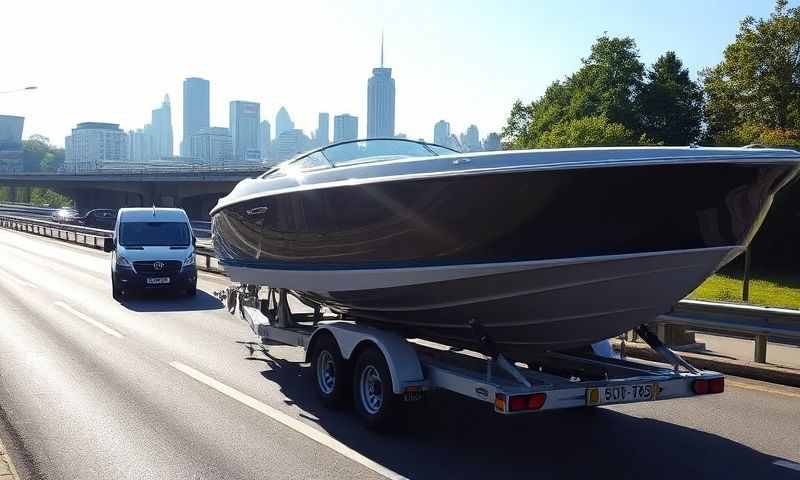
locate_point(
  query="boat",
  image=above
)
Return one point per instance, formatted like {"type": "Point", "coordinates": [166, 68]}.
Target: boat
{"type": "Point", "coordinates": [530, 250]}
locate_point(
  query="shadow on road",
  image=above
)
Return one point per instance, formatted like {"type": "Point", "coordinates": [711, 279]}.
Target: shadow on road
{"type": "Point", "coordinates": [171, 302]}
{"type": "Point", "coordinates": [447, 436]}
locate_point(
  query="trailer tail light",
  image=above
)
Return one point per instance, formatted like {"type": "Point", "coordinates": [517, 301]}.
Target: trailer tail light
{"type": "Point", "coordinates": [521, 403]}
{"type": "Point", "coordinates": [700, 387]}
{"type": "Point", "coordinates": [715, 385]}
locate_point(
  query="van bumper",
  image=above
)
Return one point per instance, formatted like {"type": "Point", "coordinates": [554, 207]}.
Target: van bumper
{"type": "Point", "coordinates": [128, 279]}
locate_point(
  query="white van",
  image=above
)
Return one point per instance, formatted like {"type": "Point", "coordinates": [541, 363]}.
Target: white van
{"type": "Point", "coordinates": [152, 249]}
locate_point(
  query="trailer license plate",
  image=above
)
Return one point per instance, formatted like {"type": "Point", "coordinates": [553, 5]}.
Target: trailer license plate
{"type": "Point", "coordinates": [621, 394]}
{"type": "Point", "coordinates": [157, 280]}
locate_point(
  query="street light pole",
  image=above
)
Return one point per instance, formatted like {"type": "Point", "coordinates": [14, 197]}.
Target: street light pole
{"type": "Point", "coordinates": [18, 90]}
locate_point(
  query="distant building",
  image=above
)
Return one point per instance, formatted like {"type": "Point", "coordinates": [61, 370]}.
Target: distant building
{"type": "Point", "coordinates": [264, 139]}
{"type": "Point", "coordinates": [11, 151]}
{"type": "Point", "coordinates": [212, 146]}
{"type": "Point", "coordinates": [322, 135]}
{"type": "Point", "coordinates": [380, 101]}
{"type": "Point", "coordinates": [441, 133]}
{"type": "Point", "coordinates": [161, 125]}
{"type": "Point", "coordinates": [471, 140]}
{"type": "Point", "coordinates": [290, 143]}
{"type": "Point", "coordinates": [452, 142]}
{"type": "Point", "coordinates": [283, 122]}
{"type": "Point", "coordinates": [345, 127]}
{"type": "Point", "coordinates": [492, 142]}
{"type": "Point", "coordinates": [195, 110]}
{"type": "Point", "coordinates": [92, 144]}
{"type": "Point", "coordinates": [142, 145]}
{"type": "Point", "coordinates": [245, 118]}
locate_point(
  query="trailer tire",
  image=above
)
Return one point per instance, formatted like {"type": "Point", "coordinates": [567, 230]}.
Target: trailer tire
{"type": "Point", "coordinates": [332, 373]}
{"type": "Point", "coordinates": [377, 405]}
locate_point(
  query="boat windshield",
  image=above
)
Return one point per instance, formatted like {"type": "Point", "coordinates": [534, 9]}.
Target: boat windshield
{"type": "Point", "coordinates": [358, 151]}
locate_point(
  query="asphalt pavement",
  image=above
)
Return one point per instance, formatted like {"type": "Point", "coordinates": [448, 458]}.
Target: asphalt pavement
{"type": "Point", "coordinates": [169, 387]}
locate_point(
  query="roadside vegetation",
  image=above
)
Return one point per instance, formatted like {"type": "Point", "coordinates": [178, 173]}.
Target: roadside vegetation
{"type": "Point", "coordinates": [774, 291]}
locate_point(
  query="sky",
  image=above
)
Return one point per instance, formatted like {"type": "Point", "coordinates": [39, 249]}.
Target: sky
{"type": "Point", "coordinates": [462, 61]}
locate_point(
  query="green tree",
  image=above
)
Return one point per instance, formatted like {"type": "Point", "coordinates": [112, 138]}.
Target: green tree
{"type": "Point", "coordinates": [587, 131]}
{"type": "Point", "coordinates": [758, 81]}
{"type": "Point", "coordinates": [606, 85]}
{"type": "Point", "coordinates": [33, 151]}
{"type": "Point", "coordinates": [670, 103]}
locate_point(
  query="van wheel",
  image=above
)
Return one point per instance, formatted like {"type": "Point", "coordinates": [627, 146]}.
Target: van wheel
{"type": "Point", "coordinates": [116, 292]}
{"type": "Point", "coordinates": [377, 405]}
{"type": "Point", "coordinates": [332, 373]}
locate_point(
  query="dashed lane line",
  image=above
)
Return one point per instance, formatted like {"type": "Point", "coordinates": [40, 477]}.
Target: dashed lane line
{"type": "Point", "coordinates": [294, 424]}
{"type": "Point", "coordinates": [17, 280]}
{"type": "Point", "coordinates": [89, 320]}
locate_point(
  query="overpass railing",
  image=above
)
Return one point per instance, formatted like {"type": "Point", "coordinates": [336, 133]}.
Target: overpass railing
{"type": "Point", "coordinates": [761, 323]}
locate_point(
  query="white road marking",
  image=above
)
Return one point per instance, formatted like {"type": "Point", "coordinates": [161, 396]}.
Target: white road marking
{"type": "Point", "coordinates": [294, 424]}
{"type": "Point", "coordinates": [787, 464]}
{"type": "Point", "coordinates": [89, 320]}
{"type": "Point", "coordinates": [17, 280]}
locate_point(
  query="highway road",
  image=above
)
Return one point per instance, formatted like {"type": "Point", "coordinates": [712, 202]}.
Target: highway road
{"type": "Point", "coordinates": [177, 388]}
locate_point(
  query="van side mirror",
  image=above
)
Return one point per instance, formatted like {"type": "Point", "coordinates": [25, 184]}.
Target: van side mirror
{"type": "Point", "coordinates": [108, 245]}
{"type": "Point", "coordinates": [194, 241]}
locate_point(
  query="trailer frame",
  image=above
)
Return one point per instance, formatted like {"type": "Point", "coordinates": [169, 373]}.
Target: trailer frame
{"type": "Point", "coordinates": [552, 381]}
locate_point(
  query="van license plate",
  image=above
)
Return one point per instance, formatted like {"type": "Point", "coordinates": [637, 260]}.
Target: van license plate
{"type": "Point", "coordinates": [157, 280]}
{"type": "Point", "coordinates": [621, 394]}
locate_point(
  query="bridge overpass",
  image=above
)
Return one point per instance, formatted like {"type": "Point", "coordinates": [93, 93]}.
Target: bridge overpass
{"type": "Point", "coordinates": [195, 190]}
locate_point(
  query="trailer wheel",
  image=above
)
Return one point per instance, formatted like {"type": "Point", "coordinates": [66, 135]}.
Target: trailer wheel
{"type": "Point", "coordinates": [375, 402]}
{"type": "Point", "coordinates": [331, 372]}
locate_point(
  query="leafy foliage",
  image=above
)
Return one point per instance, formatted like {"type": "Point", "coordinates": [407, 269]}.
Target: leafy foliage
{"type": "Point", "coordinates": [757, 85]}
{"type": "Point", "coordinates": [587, 131]}
{"type": "Point", "coordinates": [611, 91]}
{"type": "Point", "coordinates": [671, 104]}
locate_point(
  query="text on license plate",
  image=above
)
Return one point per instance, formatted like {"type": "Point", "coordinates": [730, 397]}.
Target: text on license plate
{"type": "Point", "coordinates": [621, 394]}
{"type": "Point", "coordinates": [157, 280]}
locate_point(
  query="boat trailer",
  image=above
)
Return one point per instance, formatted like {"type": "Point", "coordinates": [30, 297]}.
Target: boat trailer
{"type": "Point", "coordinates": [380, 371]}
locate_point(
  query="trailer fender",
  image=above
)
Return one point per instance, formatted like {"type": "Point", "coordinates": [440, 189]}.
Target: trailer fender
{"type": "Point", "coordinates": [404, 364]}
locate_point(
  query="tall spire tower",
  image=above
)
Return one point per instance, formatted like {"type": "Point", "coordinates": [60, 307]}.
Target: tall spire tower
{"type": "Point", "coordinates": [380, 101]}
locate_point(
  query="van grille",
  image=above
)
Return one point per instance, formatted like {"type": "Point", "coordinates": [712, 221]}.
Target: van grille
{"type": "Point", "coordinates": [169, 266]}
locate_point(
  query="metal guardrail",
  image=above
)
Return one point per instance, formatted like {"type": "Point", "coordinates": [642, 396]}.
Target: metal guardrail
{"type": "Point", "coordinates": [92, 237]}
{"type": "Point", "coordinates": [759, 322]}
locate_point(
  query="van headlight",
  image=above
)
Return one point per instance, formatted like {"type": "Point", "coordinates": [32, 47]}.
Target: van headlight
{"type": "Point", "coordinates": [189, 261]}
{"type": "Point", "coordinates": [122, 261]}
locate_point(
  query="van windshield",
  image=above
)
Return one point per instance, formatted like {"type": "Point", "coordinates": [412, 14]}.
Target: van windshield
{"type": "Point", "coordinates": [154, 234]}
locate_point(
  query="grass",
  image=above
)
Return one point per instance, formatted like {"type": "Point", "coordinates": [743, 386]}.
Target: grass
{"type": "Point", "coordinates": [772, 291]}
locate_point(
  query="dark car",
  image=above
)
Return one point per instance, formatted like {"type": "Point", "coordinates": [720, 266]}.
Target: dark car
{"type": "Point", "coordinates": [103, 218]}
{"type": "Point", "coordinates": [66, 215]}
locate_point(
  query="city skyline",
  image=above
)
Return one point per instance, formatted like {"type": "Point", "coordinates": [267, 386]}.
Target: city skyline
{"type": "Point", "coordinates": [436, 72]}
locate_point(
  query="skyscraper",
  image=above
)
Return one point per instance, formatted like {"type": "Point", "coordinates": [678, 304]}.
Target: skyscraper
{"type": "Point", "coordinates": [471, 140]}
{"type": "Point", "coordinates": [380, 101]}
{"type": "Point", "coordinates": [441, 133]}
{"type": "Point", "coordinates": [492, 142]}
{"type": "Point", "coordinates": [283, 122]}
{"type": "Point", "coordinates": [245, 118]}
{"type": "Point", "coordinates": [161, 129]}
{"type": "Point", "coordinates": [290, 143]}
{"type": "Point", "coordinates": [321, 136]}
{"type": "Point", "coordinates": [264, 139]}
{"type": "Point", "coordinates": [195, 110]}
{"type": "Point", "coordinates": [345, 127]}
